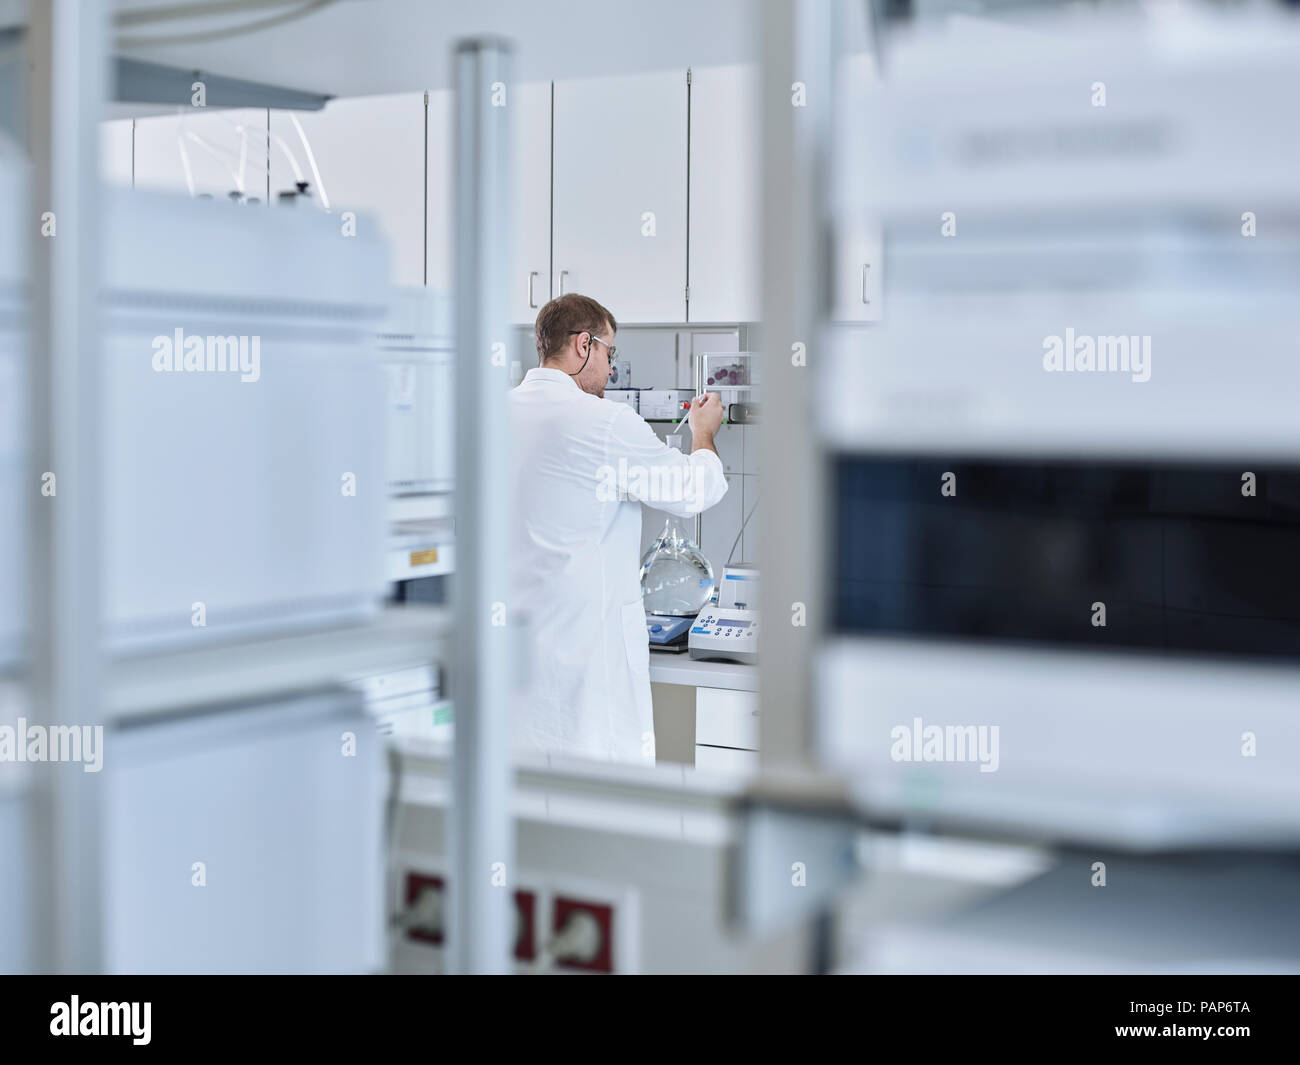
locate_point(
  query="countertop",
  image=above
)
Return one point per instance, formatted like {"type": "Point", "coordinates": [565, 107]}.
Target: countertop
{"type": "Point", "coordinates": [682, 669]}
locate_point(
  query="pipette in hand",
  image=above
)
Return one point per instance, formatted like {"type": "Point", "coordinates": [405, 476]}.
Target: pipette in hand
{"type": "Point", "coordinates": [687, 406]}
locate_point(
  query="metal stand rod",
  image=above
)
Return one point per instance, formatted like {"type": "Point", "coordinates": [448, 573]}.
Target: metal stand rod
{"type": "Point", "coordinates": [65, 90]}
{"type": "Point", "coordinates": [482, 837]}
{"type": "Point", "coordinates": [699, 391]}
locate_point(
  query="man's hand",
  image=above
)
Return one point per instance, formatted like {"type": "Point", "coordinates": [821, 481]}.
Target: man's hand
{"type": "Point", "coordinates": [706, 415]}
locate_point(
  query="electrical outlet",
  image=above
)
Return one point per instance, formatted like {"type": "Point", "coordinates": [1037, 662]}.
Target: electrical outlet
{"type": "Point", "coordinates": [582, 934]}
{"type": "Point", "coordinates": [425, 908]}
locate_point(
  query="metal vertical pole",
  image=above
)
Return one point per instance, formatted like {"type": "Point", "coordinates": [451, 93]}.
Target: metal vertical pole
{"type": "Point", "coordinates": [796, 81]}
{"type": "Point", "coordinates": [699, 518]}
{"type": "Point", "coordinates": [67, 68]}
{"type": "Point", "coordinates": [481, 674]}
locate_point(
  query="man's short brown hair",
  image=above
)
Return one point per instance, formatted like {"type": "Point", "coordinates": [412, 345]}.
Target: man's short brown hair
{"type": "Point", "coordinates": [570, 313]}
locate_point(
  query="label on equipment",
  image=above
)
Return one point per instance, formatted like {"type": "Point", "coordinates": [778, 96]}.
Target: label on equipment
{"type": "Point", "coordinates": [424, 558]}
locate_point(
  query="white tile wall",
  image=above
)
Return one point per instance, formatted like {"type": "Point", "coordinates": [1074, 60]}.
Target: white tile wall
{"type": "Point", "coordinates": [730, 442]}
{"type": "Point", "coordinates": [748, 549]}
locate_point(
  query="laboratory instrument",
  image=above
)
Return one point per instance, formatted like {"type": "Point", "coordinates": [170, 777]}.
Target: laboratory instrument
{"type": "Point", "coordinates": [725, 634]}
{"type": "Point", "coordinates": [666, 631]}
{"type": "Point", "coordinates": [727, 631]}
{"type": "Point", "coordinates": [629, 396]}
{"type": "Point", "coordinates": [244, 473]}
{"type": "Point", "coordinates": [1078, 515]}
{"type": "Point", "coordinates": [417, 348]}
{"type": "Point", "coordinates": [664, 405]}
{"type": "Point", "coordinates": [621, 374]}
{"type": "Point", "coordinates": [739, 586]}
{"type": "Point", "coordinates": [733, 375]}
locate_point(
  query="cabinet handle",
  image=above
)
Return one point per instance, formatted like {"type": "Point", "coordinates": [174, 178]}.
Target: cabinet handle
{"type": "Point", "coordinates": [865, 268]}
{"type": "Point", "coordinates": [560, 286]}
{"type": "Point", "coordinates": [531, 274]}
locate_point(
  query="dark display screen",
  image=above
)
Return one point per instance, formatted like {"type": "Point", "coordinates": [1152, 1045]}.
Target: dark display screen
{"type": "Point", "coordinates": [1182, 558]}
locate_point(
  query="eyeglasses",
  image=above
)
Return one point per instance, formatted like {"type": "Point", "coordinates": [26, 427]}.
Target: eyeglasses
{"type": "Point", "coordinates": [579, 332]}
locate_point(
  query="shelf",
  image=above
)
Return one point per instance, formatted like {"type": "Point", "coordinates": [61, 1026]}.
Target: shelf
{"type": "Point", "coordinates": [398, 637]}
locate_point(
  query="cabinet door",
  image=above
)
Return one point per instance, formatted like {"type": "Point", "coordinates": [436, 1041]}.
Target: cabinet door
{"type": "Point", "coordinates": [530, 255]}
{"type": "Point", "coordinates": [369, 152]}
{"type": "Point", "coordinates": [724, 237]}
{"type": "Point", "coordinates": [857, 281]}
{"type": "Point", "coordinates": [620, 194]}
{"type": "Point", "coordinates": [726, 718]}
{"type": "Point", "coordinates": [203, 152]}
{"type": "Point", "coordinates": [727, 760]}
{"type": "Point", "coordinates": [857, 284]}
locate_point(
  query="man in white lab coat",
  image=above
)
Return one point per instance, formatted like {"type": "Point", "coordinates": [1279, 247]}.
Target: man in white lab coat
{"type": "Point", "coordinates": [582, 467]}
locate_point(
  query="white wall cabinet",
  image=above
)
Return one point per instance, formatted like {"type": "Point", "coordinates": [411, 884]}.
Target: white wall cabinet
{"type": "Point", "coordinates": [857, 279]}
{"type": "Point", "coordinates": [620, 194]}
{"type": "Point", "coordinates": [600, 188]}
{"type": "Point", "coordinates": [726, 730]}
{"type": "Point", "coordinates": [370, 153]}
{"type": "Point", "coordinates": [857, 284]}
{"type": "Point", "coordinates": [724, 194]}
{"type": "Point", "coordinates": [203, 152]}
{"type": "Point", "coordinates": [530, 255]}
{"type": "Point", "coordinates": [530, 233]}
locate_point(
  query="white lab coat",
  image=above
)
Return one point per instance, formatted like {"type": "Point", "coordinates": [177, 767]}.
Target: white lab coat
{"type": "Point", "coordinates": [581, 468]}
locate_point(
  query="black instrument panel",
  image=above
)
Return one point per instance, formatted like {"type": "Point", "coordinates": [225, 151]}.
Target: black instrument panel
{"type": "Point", "coordinates": [1186, 557]}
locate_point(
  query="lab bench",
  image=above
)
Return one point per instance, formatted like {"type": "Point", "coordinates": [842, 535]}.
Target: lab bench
{"type": "Point", "coordinates": [725, 711]}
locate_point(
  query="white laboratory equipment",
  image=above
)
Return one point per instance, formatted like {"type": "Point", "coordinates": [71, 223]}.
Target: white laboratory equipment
{"type": "Point", "coordinates": [407, 703]}
{"type": "Point", "coordinates": [246, 840]}
{"type": "Point", "coordinates": [629, 396]}
{"type": "Point", "coordinates": [735, 377]}
{"type": "Point", "coordinates": [720, 635]}
{"type": "Point", "coordinates": [1085, 549]}
{"type": "Point", "coordinates": [727, 631]}
{"type": "Point", "coordinates": [417, 346]}
{"type": "Point", "coordinates": [664, 404]}
{"type": "Point", "coordinates": [250, 498]}
{"type": "Point", "coordinates": [620, 374]}
{"type": "Point", "coordinates": [665, 631]}
{"type": "Point", "coordinates": [739, 587]}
